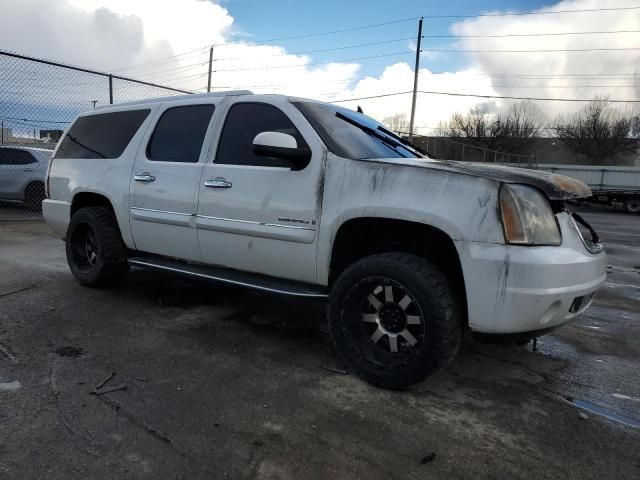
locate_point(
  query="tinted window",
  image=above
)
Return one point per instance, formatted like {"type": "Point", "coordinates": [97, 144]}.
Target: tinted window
{"type": "Point", "coordinates": [179, 134]}
{"type": "Point", "coordinates": [243, 123]}
{"type": "Point", "coordinates": [104, 135]}
{"type": "Point", "coordinates": [13, 156]}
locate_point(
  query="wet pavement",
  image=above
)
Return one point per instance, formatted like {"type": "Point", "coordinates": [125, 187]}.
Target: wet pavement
{"type": "Point", "coordinates": [217, 382]}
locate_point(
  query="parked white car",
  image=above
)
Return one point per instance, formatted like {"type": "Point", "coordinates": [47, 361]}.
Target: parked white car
{"type": "Point", "coordinates": [22, 174]}
{"type": "Point", "coordinates": [304, 198]}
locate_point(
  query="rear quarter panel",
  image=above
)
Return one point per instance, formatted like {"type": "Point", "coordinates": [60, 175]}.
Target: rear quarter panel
{"type": "Point", "coordinates": [108, 177]}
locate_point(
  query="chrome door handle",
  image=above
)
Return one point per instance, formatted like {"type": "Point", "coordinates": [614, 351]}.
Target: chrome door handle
{"type": "Point", "coordinates": [218, 182]}
{"type": "Point", "coordinates": [144, 177]}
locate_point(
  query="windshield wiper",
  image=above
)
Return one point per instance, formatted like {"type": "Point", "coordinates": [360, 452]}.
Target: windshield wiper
{"type": "Point", "coordinates": [404, 141]}
{"type": "Point", "coordinates": [370, 131]}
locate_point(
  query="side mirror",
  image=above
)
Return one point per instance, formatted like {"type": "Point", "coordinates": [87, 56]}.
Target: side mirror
{"type": "Point", "coordinates": [281, 145]}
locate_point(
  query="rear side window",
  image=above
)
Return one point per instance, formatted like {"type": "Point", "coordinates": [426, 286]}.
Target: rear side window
{"type": "Point", "coordinates": [104, 135]}
{"type": "Point", "coordinates": [179, 134]}
{"type": "Point", "coordinates": [244, 122]}
{"type": "Point", "coordinates": [14, 156]}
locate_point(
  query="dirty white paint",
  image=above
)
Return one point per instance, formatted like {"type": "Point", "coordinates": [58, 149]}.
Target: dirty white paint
{"type": "Point", "coordinates": [10, 386]}
{"type": "Point", "coordinates": [625, 397]}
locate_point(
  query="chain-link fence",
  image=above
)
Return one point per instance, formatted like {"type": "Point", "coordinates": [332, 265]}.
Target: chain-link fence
{"type": "Point", "coordinates": [449, 149]}
{"type": "Point", "coordinates": [38, 99]}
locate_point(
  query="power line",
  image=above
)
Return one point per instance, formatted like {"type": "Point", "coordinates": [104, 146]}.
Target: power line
{"type": "Point", "coordinates": [321, 50]}
{"type": "Point", "coordinates": [551, 50]}
{"type": "Point", "coordinates": [505, 14]}
{"type": "Point", "coordinates": [32, 120]}
{"type": "Point", "coordinates": [507, 97]}
{"type": "Point", "coordinates": [531, 34]}
{"type": "Point", "coordinates": [184, 68]}
{"type": "Point", "coordinates": [546, 12]}
{"type": "Point", "coordinates": [332, 32]}
{"type": "Point", "coordinates": [160, 60]}
{"type": "Point", "coordinates": [315, 63]}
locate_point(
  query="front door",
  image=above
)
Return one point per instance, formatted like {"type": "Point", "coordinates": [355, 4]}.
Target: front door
{"type": "Point", "coordinates": [256, 213]}
{"type": "Point", "coordinates": [165, 181]}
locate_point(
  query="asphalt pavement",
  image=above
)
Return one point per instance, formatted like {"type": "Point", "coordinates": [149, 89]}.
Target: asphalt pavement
{"type": "Point", "coordinates": [218, 382]}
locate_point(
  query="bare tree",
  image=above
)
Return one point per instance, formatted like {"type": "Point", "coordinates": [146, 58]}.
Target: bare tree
{"type": "Point", "coordinates": [599, 131]}
{"type": "Point", "coordinates": [514, 129]}
{"type": "Point", "coordinates": [397, 123]}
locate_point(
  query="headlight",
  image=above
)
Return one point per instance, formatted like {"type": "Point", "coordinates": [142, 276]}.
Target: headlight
{"type": "Point", "coordinates": [527, 218]}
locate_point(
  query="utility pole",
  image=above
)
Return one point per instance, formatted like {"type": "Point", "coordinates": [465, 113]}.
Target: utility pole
{"type": "Point", "coordinates": [110, 89]}
{"type": "Point", "coordinates": [415, 81]}
{"type": "Point", "coordinates": [210, 67]}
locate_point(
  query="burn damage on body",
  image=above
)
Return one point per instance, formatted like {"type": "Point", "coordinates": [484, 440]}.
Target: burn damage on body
{"type": "Point", "coordinates": [320, 186]}
{"type": "Point", "coordinates": [503, 280]}
{"type": "Point", "coordinates": [555, 187]}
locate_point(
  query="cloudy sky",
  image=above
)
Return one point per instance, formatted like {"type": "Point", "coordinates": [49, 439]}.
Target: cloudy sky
{"type": "Point", "coordinates": [300, 47]}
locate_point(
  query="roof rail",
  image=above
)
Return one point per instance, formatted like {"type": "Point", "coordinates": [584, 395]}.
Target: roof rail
{"type": "Point", "coordinates": [178, 97]}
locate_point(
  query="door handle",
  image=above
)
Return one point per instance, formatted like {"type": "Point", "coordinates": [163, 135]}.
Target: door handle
{"type": "Point", "coordinates": [218, 182]}
{"type": "Point", "coordinates": [144, 177]}
{"type": "Point", "coordinates": [28, 169]}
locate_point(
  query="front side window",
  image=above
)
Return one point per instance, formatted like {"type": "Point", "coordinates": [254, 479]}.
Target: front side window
{"type": "Point", "coordinates": [104, 135]}
{"type": "Point", "coordinates": [180, 133]}
{"type": "Point", "coordinates": [245, 121]}
{"type": "Point", "coordinates": [14, 156]}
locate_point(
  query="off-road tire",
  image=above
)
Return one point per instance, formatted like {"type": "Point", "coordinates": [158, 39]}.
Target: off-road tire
{"type": "Point", "coordinates": [110, 262]}
{"type": "Point", "coordinates": [434, 296]}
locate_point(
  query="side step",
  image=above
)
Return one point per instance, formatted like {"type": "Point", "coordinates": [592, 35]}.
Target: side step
{"type": "Point", "coordinates": [229, 276]}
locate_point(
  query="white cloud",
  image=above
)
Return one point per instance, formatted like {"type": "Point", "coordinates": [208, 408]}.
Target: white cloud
{"type": "Point", "coordinates": [556, 66]}
{"type": "Point", "coordinates": [111, 34]}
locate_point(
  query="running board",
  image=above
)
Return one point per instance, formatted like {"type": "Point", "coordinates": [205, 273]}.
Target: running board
{"type": "Point", "coordinates": [229, 276]}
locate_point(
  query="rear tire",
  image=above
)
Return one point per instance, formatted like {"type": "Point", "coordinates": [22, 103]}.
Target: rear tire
{"type": "Point", "coordinates": [394, 295]}
{"type": "Point", "coordinates": [95, 251]}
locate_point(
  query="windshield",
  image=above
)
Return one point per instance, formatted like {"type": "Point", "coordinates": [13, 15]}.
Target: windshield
{"type": "Point", "coordinates": [353, 135]}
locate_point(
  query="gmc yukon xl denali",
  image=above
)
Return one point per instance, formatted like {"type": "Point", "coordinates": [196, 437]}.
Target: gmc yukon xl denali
{"type": "Point", "coordinates": [303, 198]}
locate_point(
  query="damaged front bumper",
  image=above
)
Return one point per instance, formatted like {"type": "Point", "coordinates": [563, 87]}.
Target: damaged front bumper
{"type": "Point", "coordinates": [515, 289]}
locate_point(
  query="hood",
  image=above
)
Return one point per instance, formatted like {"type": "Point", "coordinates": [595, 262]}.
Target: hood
{"type": "Point", "coordinates": [555, 187]}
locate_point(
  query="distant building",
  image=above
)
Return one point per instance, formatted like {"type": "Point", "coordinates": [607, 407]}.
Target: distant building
{"type": "Point", "coordinates": [50, 135]}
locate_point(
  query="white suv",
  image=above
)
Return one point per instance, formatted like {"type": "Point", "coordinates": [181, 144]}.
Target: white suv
{"type": "Point", "coordinates": [22, 174]}
{"type": "Point", "coordinates": [304, 198]}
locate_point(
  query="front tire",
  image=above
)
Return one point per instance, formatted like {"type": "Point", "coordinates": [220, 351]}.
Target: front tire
{"type": "Point", "coordinates": [394, 318]}
{"type": "Point", "coordinates": [95, 251]}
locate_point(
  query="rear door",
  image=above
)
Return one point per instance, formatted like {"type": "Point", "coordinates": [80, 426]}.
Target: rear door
{"type": "Point", "coordinates": [165, 180]}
